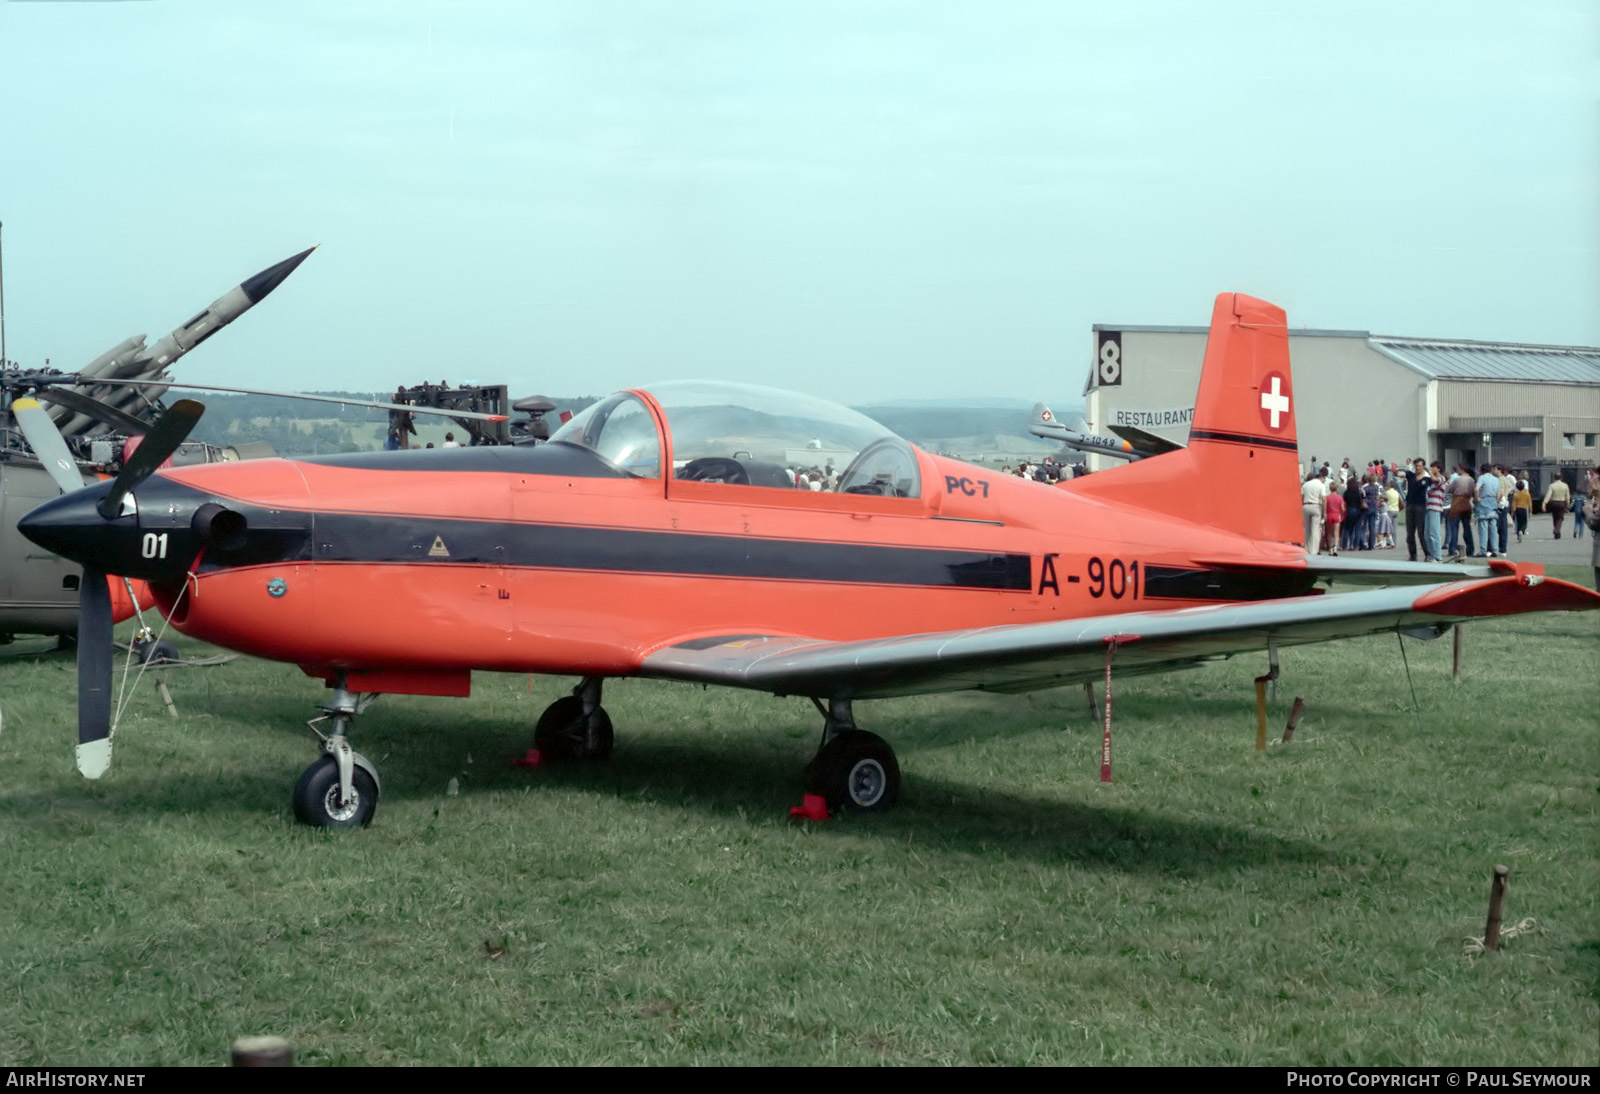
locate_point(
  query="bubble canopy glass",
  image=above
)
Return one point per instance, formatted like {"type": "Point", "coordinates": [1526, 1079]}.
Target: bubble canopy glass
{"type": "Point", "coordinates": [741, 434]}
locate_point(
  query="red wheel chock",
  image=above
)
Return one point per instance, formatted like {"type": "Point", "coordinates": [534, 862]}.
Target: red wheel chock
{"type": "Point", "coordinates": [813, 807]}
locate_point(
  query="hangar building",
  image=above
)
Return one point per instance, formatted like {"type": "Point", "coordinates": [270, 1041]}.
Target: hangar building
{"type": "Point", "coordinates": [1366, 396]}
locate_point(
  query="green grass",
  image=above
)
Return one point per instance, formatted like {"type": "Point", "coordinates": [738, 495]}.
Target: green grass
{"type": "Point", "coordinates": [1212, 905]}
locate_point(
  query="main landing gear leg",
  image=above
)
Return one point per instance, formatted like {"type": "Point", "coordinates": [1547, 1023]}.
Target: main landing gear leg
{"type": "Point", "coordinates": [576, 727]}
{"type": "Point", "coordinates": [339, 790]}
{"type": "Point", "coordinates": [852, 768]}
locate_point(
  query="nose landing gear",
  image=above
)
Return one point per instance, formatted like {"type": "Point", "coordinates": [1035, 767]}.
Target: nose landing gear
{"type": "Point", "coordinates": [339, 790]}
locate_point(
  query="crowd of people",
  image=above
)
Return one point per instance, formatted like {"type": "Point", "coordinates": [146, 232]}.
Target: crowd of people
{"type": "Point", "coordinates": [1049, 471]}
{"type": "Point", "coordinates": [1446, 516]}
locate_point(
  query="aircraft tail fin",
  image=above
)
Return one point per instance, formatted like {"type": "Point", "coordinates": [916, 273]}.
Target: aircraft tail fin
{"type": "Point", "coordinates": [1241, 468]}
{"type": "Point", "coordinates": [1074, 421]}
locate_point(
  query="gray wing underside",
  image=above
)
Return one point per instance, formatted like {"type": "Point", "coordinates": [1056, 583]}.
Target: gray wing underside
{"type": "Point", "coordinates": [1026, 657]}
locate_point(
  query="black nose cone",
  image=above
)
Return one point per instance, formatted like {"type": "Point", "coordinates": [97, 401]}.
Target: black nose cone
{"type": "Point", "coordinates": [71, 527]}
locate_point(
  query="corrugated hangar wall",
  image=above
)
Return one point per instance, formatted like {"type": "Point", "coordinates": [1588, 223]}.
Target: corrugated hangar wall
{"type": "Point", "coordinates": [1488, 399]}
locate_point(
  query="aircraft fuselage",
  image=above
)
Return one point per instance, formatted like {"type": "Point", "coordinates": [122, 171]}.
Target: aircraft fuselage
{"type": "Point", "coordinates": [407, 570]}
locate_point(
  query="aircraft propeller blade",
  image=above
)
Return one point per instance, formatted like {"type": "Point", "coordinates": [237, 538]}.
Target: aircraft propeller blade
{"type": "Point", "coordinates": [162, 441]}
{"type": "Point", "coordinates": [94, 674]}
{"type": "Point", "coordinates": [47, 444]}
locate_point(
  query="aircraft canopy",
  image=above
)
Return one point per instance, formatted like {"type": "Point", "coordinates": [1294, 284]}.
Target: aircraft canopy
{"type": "Point", "coordinates": [745, 435]}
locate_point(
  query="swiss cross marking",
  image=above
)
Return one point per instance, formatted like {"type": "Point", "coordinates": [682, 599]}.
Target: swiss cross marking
{"type": "Point", "coordinates": [1274, 401]}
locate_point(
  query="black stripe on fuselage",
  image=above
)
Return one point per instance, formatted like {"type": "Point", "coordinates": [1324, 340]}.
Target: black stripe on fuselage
{"type": "Point", "coordinates": [1185, 583]}
{"type": "Point", "coordinates": [1255, 440]}
{"type": "Point", "coordinates": [372, 538]}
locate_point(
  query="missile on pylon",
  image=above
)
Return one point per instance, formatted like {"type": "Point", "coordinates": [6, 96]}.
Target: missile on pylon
{"type": "Point", "coordinates": [130, 360]}
{"type": "Point", "coordinates": [107, 362]}
{"type": "Point", "coordinates": [223, 310]}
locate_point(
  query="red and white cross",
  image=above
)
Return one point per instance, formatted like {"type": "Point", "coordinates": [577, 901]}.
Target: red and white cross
{"type": "Point", "coordinates": [1274, 401]}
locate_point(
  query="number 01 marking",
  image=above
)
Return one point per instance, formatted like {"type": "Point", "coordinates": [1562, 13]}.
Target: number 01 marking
{"type": "Point", "coordinates": [154, 545]}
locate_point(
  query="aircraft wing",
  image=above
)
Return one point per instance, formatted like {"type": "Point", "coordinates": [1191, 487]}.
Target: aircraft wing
{"type": "Point", "coordinates": [1029, 656]}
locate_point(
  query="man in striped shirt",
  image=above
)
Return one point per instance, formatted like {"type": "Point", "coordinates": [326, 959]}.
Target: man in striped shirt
{"type": "Point", "coordinates": [1438, 501]}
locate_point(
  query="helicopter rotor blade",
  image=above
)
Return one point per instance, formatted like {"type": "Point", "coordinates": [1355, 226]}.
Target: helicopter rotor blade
{"type": "Point", "coordinates": [94, 408]}
{"type": "Point", "coordinates": [47, 444]}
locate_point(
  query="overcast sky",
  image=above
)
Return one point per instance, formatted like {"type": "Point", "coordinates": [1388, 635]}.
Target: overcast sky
{"type": "Point", "coordinates": [861, 200]}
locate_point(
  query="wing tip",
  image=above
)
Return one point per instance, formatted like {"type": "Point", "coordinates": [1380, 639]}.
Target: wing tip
{"type": "Point", "coordinates": [1513, 594]}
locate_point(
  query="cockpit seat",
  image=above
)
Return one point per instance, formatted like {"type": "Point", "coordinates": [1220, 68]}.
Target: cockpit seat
{"type": "Point", "coordinates": [736, 472]}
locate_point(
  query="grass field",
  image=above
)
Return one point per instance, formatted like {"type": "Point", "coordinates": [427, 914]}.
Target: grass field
{"type": "Point", "coordinates": [1212, 905]}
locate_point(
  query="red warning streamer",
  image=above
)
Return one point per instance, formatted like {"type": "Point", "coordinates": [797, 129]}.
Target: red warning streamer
{"type": "Point", "coordinates": [1105, 744]}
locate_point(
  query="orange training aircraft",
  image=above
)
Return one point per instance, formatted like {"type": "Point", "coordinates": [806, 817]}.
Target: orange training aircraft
{"type": "Point", "coordinates": [660, 533]}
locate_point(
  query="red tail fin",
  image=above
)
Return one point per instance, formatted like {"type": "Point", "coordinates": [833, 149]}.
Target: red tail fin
{"type": "Point", "coordinates": [1241, 470]}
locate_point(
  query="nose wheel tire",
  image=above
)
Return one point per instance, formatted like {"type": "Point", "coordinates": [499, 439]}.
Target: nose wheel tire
{"type": "Point", "coordinates": [561, 733]}
{"type": "Point", "coordinates": [316, 797]}
{"type": "Point", "coordinates": [855, 770]}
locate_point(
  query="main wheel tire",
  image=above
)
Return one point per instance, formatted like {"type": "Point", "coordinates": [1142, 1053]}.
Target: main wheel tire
{"type": "Point", "coordinates": [561, 734]}
{"type": "Point", "coordinates": [153, 652]}
{"type": "Point", "coordinates": [316, 797]}
{"type": "Point", "coordinates": [855, 770]}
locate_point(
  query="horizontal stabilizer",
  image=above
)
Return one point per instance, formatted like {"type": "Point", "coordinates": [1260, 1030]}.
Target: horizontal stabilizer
{"type": "Point", "coordinates": [1145, 443]}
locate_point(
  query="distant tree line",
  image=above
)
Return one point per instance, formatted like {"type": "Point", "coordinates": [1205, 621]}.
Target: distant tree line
{"type": "Point", "coordinates": [292, 427]}
{"type": "Point", "coordinates": [298, 427]}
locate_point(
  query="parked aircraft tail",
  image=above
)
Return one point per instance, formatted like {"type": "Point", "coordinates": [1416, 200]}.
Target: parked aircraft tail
{"type": "Point", "coordinates": [1241, 468]}
{"type": "Point", "coordinates": [1072, 431]}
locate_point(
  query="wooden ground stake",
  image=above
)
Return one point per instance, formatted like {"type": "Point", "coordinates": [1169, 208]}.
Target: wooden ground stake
{"type": "Point", "coordinates": [1295, 711]}
{"type": "Point", "coordinates": [1497, 896]}
{"type": "Point", "coordinates": [161, 686]}
{"type": "Point", "coordinates": [1261, 712]}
